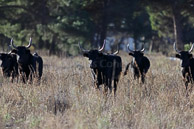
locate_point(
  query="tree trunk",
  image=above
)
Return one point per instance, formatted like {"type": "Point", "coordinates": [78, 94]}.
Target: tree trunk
{"type": "Point", "coordinates": [104, 23]}
{"type": "Point", "coordinates": [151, 44]}
{"type": "Point", "coordinates": [135, 44]}
{"type": "Point", "coordinates": [52, 47]}
{"type": "Point", "coordinates": [178, 33]}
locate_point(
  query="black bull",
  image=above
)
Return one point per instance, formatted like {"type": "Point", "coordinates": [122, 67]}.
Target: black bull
{"type": "Point", "coordinates": [9, 65]}
{"type": "Point", "coordinates": [27, 63]}
{"type": "Point", "coordinates": [140, 64]}
{"type": "Point", "coordinates": [187, 64]}
{"type": "Point", "coordinates": [105, 68]}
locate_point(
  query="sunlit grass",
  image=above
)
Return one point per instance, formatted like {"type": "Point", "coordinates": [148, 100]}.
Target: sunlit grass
{"type": "Point", "coordinates": [66, 98]}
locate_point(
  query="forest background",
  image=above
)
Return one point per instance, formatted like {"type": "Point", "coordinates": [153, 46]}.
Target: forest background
{"type": "Point", "coordinates": [56, 26]}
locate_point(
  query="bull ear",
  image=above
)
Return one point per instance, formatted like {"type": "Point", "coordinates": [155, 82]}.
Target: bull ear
{"type": "Point", "coordinates": [13, 51]}
{"type": "Point", "coordinates": [85, 54]}
{"type": "Point", "coordinates": [190, 55]}
{"type": "Point", "coordinates": [100, 54]}
{"type": "Point", "coordinates": [131, 54]}
{"type": "Point", "coordinates": [2, 56]}
{"type": "Point", "coordinates": [178, 56]}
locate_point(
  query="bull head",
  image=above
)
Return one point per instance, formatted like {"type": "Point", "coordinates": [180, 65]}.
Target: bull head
{"type": "Point", "coordinates": [132, 51]}
{"type": "Point", "coordinates": [28, 46]}
{"type": "Point", "coordinates": [137, 54]}
{"type": "Point", "coordinates": [22, 52]}
{"type": "Point", "coordinates": [84, 51]}
{"type": "Point", "coordinates": [117, 52]}
{"type": "Point", "coordinates": [93, 55]}
{"type": "Point", "coordinates": [190, 50]}
{"type": "Point", "coordinates": [184, 56]}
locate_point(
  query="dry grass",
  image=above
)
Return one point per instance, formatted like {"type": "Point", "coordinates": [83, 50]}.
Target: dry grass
{"type": "Point", "coordinates": [66, 98]}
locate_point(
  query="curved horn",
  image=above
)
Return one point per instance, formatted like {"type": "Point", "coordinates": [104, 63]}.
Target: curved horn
{"type": "Point", "coordinates": [129, 48]}
{"type": "Point", "coordinates": [11, 42]}
{"type": "Point", "coordinates": [191, 49]}
{"type": "Point", "coordinates": [102, 46]}
{"type": "Point", "coordinates": [115, 53]}
{"type": "Point", "coordinates": [82, 49]}
{"type": "Point", "coordinates": [176, 48]}
{"type": "Point", "coordinates": [30, 43]}
{"type": "Point", "coordinates": [142, 50]}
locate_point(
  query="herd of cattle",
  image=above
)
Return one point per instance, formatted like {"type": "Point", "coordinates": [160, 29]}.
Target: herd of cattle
{"type": "Point", "coordinates": [105, 67]}
{"type": "Point", "coordinates": [19, 62]}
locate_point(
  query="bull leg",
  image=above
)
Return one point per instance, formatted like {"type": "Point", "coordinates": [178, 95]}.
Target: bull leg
{"type": "Point", "coordinates": [23, 79]}
{"type": "Point", "coordinates": [106, 86]}
{"type": "Point", "coordinates": [136, 73]}
{"type": "Point", "coordinates": [105, 90]}
{"type": "Point", "coordinates": [186, 85]}
{"type": "Point", "coordinates": [99, 80]}
{"type": "Point", "coordinates": [110, 85]}
{"type": "Point", "coordinates": [143, 77]}
{"type": "Point", "coordinates": [187, 80]}
{"type": "Point", "coordinates": [115, 86]}
{"type": "Point", "coordinates": [93, 75]}
{"type": "Point", "coordinates": [126, 69]}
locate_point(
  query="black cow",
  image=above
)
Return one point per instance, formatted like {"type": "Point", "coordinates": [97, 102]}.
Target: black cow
{"type": "Point", "coordinates": [27, 62]}
{"type": "Point", "coordinates": [38, 64]}
{"type": "Point", "coordinates": [187, 64]}
{"type": "Point", "coordinates": [140, 64]}
{"type": "Point", "coordinates": [105, 67]}
{"type": "Point", "coordinates": [9, 65]}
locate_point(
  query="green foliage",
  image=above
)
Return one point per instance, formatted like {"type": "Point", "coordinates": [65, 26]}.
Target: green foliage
{"type": "Point", "coordinates": [56, 25]}
{"type": "Point", "coordinates": [187, 47]}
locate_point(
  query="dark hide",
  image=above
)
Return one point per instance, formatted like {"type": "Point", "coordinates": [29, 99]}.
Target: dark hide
{"type": "Point", "coordinates": [27, 63]}
{"type": "Point", "coordinates": [105, 68]}
{"type": "Point", "coordinates": [9, 65]}
{"type": "Point", "coordinates": [38, 64]}
{"type": "Point", "coordinates": [187, 66]}
{"type": "Point", "coordinates": [140, 65]}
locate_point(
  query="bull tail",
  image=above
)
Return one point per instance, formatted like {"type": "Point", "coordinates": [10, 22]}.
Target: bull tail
{"type": "Point", "coordinates": [126, 69]}
{"type": "Point", "coordinates": [40, 66]}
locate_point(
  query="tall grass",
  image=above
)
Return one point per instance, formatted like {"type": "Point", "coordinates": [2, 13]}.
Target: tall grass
{"type": "Point", "coordinates": [66, 98]}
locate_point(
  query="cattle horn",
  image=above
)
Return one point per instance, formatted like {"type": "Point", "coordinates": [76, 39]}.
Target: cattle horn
{"type": "Point", "coordinates": [115, 53]}
{"type": "Point", "coordinates": [30, 43]}
{"type": "Point", "coordinates": [176, 48]}
{"type": "Point", "coordinates": [102, 46]}
{"type": "Point", "coordinates": [11, 42]}
{"type": "Point", "coordinates": [191, 49]}
{"type": "Point", "coordinates": [142, 50]}
{"type": "Point", "coordinates": [129, 48]}
{"type": "Point", "coordinates": [82, 49]}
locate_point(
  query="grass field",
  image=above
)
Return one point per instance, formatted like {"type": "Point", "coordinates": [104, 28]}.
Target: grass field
{"type": "Point", "coordinates": [67, 99]}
